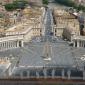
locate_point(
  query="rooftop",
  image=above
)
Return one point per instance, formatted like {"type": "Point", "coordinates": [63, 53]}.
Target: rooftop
{"type": "Point", "coordinates": [63, 14]}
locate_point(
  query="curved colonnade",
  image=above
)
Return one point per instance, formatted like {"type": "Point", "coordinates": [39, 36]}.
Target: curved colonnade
{"type": "Point", "coordinates": [11, 42]}
{"type": "Point", "coordinates": [50, 73]}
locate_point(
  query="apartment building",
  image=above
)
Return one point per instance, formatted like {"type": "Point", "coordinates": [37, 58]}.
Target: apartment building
{"type": "Point", "coordinates": [29, 27]}
{"type": "Point", "coordinates": [66, 24]}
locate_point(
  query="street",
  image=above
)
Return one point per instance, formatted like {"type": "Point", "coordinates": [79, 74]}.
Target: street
{"type": "Point", "coordinates": [48, 25]}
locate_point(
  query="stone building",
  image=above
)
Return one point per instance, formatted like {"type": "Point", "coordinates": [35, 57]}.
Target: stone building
{"type": "Point", "coordinates": [73, 29]}
{"type": "Point", "coordinates": [66, 24]}
{"type": "Point", "coordinates": [5, 66]}
{"type": "Point", "coordinates": [33, 19]}
{"type": "Point", "coordinates": [82, 23]}
{"type": "Point", "coordinates": [29, 27]}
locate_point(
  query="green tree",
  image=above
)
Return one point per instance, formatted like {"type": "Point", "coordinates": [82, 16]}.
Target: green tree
{"type": "Point", "coordinates": [66, 2]}
{"type": "Point", "coordinates": [10, 7]}
{"type": "Point", "coordinates": [19, 4]}
{"type": "Point", "coordinates": [45, 2]}
{"type": "Point", "coordinates": [70, 3]}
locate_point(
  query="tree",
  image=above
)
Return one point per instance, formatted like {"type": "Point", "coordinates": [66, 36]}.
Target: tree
{"type": "Point", "coordinates": [45, 2]}
{"type": "Point", "coordinates": [10, 7]}
{"type": "Point", "coordinates": [66, 2]}
{"type": "Point", "coordinates": [70, 3]}
{"type": "Point", "coordinates": [20, 4]}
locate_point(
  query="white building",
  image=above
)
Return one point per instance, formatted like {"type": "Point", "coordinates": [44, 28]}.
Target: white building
{"type": "Point", "coordinates": [5, 67]}
{"type": "Point", "coordinates": [66, 24]}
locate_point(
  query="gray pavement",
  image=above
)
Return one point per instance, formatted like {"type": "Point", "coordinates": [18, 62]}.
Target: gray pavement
{"type": "Point", "coordinates": [31, 54]}
{"type": "Point", "coordinates": [48, 25]}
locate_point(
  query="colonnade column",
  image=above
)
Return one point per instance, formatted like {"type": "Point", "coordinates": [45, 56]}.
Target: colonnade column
{"type": "Point", "coordinates": [6, 45]}
{"type": "Point", "coordinates": [69, 73]}
{"type": "Point", "coordinates": [77, 43]}
{"type": "Point", "coordinates": [53, 73]}
{"type": "Point", "coordinates": [82, 43]}
{"type": "Point", "coordinates": [37, 74]}
{"type": "Point", "coordinates": [10, 44]}
{"type": "Point", "coordinates": [17, 42]}
{"type": "Point", "coordinates": [0, 46]}
{"type": "Point", "coordinates": [22, 43]}
{"type": "Point", "coordinates": [13, 44]}
{"type": "Point", "coordinates": [21, 74]}
{"type": "Point", "coordinates": [3, 45]}
{"type": "Point", "coordinates": [84, 75]}
{"type": "Point", "coordinates": [63, 74]}
{"type": "Point", "coordinates": [28, 74]}
{"type": "Point", "coordinates": [74, 43]}
{"type": "Point", "coordinates": [45, 73]}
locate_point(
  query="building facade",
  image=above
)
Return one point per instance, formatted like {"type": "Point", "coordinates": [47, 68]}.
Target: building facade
{"type": "Point", "coordinates": [66, 24]}
{"type": "Point", "coordinates": [30, 26]}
